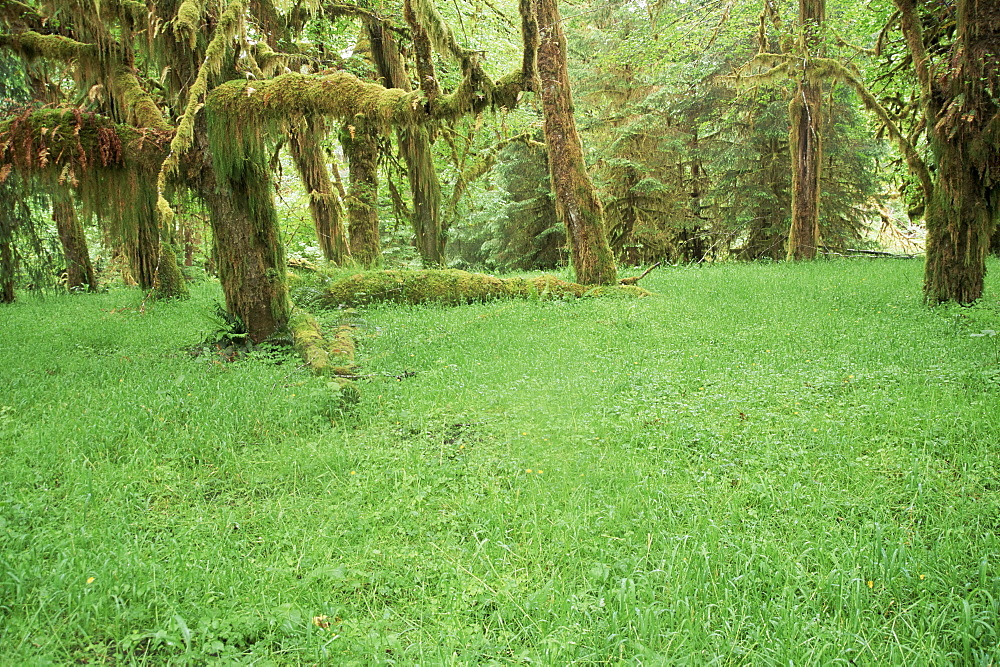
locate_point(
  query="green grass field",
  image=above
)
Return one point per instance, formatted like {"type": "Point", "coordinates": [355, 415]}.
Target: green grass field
{"type": "Point", "coordinates": [763, 464]}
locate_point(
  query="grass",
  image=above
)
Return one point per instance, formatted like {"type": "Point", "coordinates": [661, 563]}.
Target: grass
{"type": "Point", "coordinates": [764, 464]}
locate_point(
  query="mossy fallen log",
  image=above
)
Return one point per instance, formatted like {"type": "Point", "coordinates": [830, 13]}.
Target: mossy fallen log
{"type": "Point", "coordinates": [331, 357]}
{"type": "Point", "coordinates": [453, 287]}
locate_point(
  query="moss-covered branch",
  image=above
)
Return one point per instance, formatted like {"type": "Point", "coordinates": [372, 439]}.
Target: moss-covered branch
{"type": "Point", "coordinates": [139, 107]}
{"type": "Point", "coordinates": [338, 95]}
{"type": "Point", "coordinates": [229, 25]}
{"type": "Point", "coordinates": [31, 45]}
{"type": "Point", "coordinates": [71, 138]}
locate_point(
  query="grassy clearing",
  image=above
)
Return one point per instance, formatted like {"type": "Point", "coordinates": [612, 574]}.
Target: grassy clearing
{"type": "Point", "coordinates": [763, 464]}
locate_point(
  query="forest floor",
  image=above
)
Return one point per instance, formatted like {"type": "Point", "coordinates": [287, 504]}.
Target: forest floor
{"type": "Point", "coordinates": [762, 464]}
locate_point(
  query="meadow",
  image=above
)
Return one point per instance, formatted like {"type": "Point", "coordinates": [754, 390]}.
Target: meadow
{"type": "Point", "coordinates": [762, 464]}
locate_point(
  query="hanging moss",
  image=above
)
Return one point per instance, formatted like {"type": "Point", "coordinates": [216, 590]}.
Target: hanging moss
{"type": "Point", "coordinates": [139, 108]}
{"type": "Point", "coordinates": [187, 24]}
{"type": "Point", "coordinates": [229, 25]}
{"type": "Point", "coordinates": [324, 203]}
{"type": "Point", "coordinates": [453, 287]}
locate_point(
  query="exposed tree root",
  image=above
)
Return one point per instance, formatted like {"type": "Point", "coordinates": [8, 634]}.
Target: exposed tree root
{"type": "Point", "coordinates": [453, 287]}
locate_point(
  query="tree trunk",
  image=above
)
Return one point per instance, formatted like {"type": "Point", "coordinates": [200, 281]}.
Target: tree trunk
{"type": "Point", "coordinates": [79, 270]}
{"type": "Point", "coordinates": [425, 190]}
{"type": "Point", "coordinates": [360, 143]}
{"type": "Point", "coordinates": [7, 267]}
{"type": "Point", "coordinates": [414, 142]}
{"type": "Point", "coordinates": [805, 143]}
{"type": "Point", "coordinates": [324, 204]}
{"type": "Point", "coordinates": [8, 258]}
{"type": "Point", "coordinates": [959, 225]}
{"type": "Point", "coordinates": [143, 250]}
{"type": "Point", "coordinates": [249, 255]}
{"type": "Point", "coordinates": [247, 251]}
{"type": "Point", "coordinates": [962, 110]}
{"type": "Point", "coordinates": [576, 199]}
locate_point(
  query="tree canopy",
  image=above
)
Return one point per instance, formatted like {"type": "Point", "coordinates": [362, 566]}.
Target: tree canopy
{"type": "Point", "coordinates": [682, 132]}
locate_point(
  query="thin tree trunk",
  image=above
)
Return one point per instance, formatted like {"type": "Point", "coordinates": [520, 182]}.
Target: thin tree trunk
{"type": "Point", "coordinates": [79, 270]}
{"type": "Point", "coordinates": [414, 141]}
{"type": "Point", "coordinates": [805, 142]}
{"type": "Point", "coordinates": [360, 144]}
{"type": "Point", "coordinates": [576, 199]}
{"type": "Point", "coordinates": [324, 204]}
{"type": "Point", "coordinates": [8, 258]}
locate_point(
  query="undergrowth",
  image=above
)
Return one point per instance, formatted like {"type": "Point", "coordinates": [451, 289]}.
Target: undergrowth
{"type": "Point", "coordinates": [763, 464]}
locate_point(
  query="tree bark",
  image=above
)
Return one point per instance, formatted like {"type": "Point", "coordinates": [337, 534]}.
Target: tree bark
{"type": "Point", "coordinates": [79, 270]}
{"type": "Point", "coordinates": [247, 251]}
{"type": "Point", "coordinates": [360, 142]}
{"type": "Point", "coordinates": [414, 140]}
{"type": "Point", "coordinates": [143, 250]}
{"type": "Point", "coordinates": [576, 199]}
{"type": "Point", "coordinates": [8, 257]}
{"type": "Point", "coordinates": [958, 95]}
{"type": "Point", "coordinates": [250, 258]}
{"type": "Point", "coordinates": [804, 140]}
{"type": "Point", "coordinates": [324, 204]}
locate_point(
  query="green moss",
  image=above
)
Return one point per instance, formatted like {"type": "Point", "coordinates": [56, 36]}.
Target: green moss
{"type": "Point", "coordinates": [31, 45]}
{"type": "Point", "coordinates": [321, 355]}
{"type": "Point", "coordinates": [187, 23]}
{"type": "Point", "coordinates": [141, 109]}
{"type": "Point", "coordinates": [170, 282]}
{"type": "Point", "coordinates": [450, 286]}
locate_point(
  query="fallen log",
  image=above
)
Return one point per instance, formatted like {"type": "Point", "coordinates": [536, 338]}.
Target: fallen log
{"type": "Point", "coordinates": [454, 287]}
{"type": "Point", "coordinates": [327, 357]}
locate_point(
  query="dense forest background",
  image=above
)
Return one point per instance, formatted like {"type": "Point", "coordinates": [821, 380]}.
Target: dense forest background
{"type": "Point", "coordinates": [711, 130]}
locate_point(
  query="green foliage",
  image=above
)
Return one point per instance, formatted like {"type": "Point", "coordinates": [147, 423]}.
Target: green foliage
{"type": "Point", "coordinates": [804, 478]}
{"type": "Point", "coordinates": [527, 235]}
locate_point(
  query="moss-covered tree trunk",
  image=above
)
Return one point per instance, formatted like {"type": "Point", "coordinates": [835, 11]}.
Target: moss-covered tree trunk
{"type": "Point", "coordinates": [79, 270]}
{"type": "Point", "coordinates": [143, 249]}
{"type": "Point", "coordinates": [249, 255]}
{"type": "Point", "coordinates": [247, 251]}
{"type": "Point", "coordinates": [962, 111]}
{"type": "Point", "coordinates": [804, 141]}
{"type": "Point", "coordinates": [961, 214]}
{"type": "Point", "coordinates": [415, 146]}
{"type": "Point", "coordinates": [324, 204]}
{"type": "Point", "coordinates": [425, 190]}
{"type": "Point", "coordinates": [360, 143]}
{"type": "Point", "coordinates": [960, 221]}
{"type": "Point", "coordinates": [8, 258]}
{"type": "Point", "coordinates": [576, 199]}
